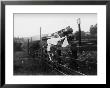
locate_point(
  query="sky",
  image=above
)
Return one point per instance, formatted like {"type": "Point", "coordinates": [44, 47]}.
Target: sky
{"type": "Point", "coordinates": [28, 25]}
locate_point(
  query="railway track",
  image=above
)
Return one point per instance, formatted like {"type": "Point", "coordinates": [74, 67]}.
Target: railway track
{"type": "Point", "coordinates": [62, 69]}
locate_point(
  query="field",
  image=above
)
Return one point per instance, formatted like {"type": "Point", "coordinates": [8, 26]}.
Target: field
{"type": "Point", "coordinates": [30, 66]}
{"type": "Point", "coordinates": [25, 64]}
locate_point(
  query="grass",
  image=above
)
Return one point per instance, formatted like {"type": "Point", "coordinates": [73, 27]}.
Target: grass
{"type": "Point", "coordinates": [31, 66]}
{"type": "Point", "coordinates": [25, 65]}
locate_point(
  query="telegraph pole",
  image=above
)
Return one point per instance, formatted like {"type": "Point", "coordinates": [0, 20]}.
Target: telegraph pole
{"type": "Point", "coordinates": [79, 22]}
{"type": "Point", "coordinates": [40, 35]}
{"type": "Point", "coordinates": [41, 39]}
{"type": "Point", "coordinates": [28, 46]}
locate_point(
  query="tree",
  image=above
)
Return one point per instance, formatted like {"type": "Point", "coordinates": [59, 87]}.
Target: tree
{"type": "Point", "coordinates": [68, 30]}
{"type": "Point", "coordinates": [83, 34]}
{"type": "Point", "coordinates": [93, 30]}
{"type": "Point", "coordinates": [17, 46]}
